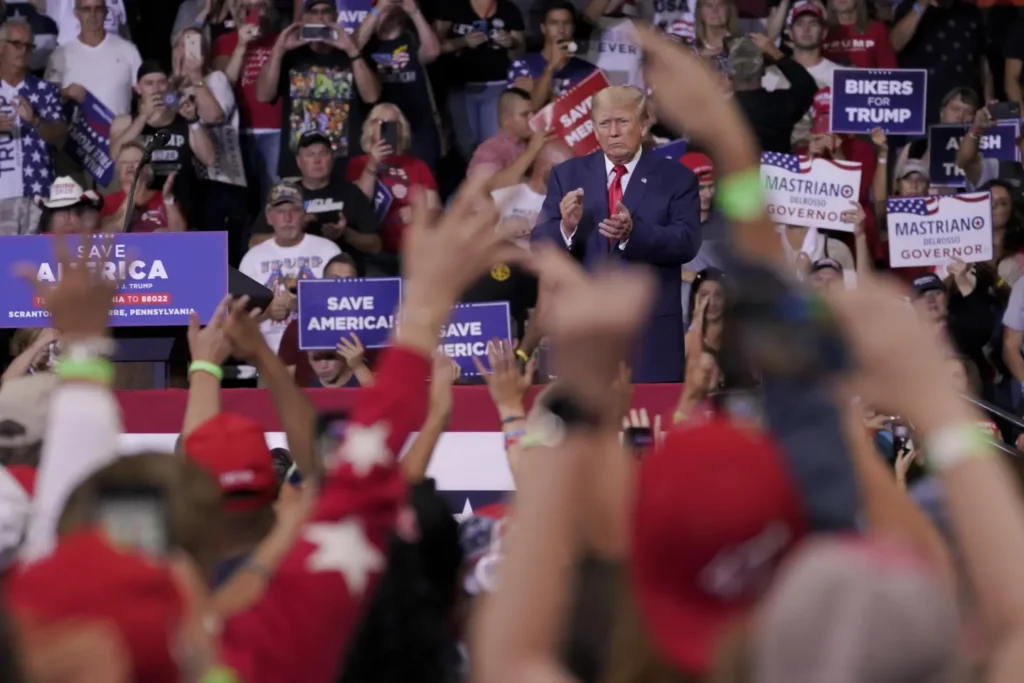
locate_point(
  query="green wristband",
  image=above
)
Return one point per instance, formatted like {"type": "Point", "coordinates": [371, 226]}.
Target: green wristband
{"type": "Point", "coordinates": [220, 674]}
{"type": "Point", "coordinates": [740, 196]}
{"type": "Point", "coordinates": [95, 370]}
{"type": "Point", "coordinates": [207, 367]}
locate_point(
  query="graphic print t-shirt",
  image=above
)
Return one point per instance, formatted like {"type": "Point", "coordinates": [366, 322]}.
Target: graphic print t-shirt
{"type": "Point", "coordinates": [532, 66]}
{"type": "Point", "coordinates": [613, 46]}
{"type": "Point", "coordinates": [666, 14]}
{"type": "Point", "coordinates": [520, 207]}
{"type": "Point", "coordinates": [487, 63]}
{"type": "Point", "coordinates": [318, 92]}
{"type": "Point", "coordinates": [403, 81]}
{"type": "Point", "coordinates": [26, 169]}
{"type": "Point", "coordinates": [280, 268]}
{"type": "Point", "coordinates": [869, 50]}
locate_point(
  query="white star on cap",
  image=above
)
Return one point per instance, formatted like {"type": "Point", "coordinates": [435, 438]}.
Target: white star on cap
{"type": "Point", "coordinates": [365, 447]}
{"type": "Point", "coordinates": [467, 512]}
{"type": "Point", "coordinates": [344, 548]}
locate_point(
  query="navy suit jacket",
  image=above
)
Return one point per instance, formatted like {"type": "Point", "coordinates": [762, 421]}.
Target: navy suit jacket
{"type": "Point", "coordinates": [662, 200]}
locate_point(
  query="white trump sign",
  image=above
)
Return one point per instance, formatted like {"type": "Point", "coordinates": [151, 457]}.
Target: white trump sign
{"type": "Point", "coordinates": [937, 230]}
{"type": "Point", "coordinates": [810, 192]}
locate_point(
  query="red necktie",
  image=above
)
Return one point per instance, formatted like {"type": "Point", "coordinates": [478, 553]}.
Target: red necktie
{"type": "Point", "coordinates": [615, 195]}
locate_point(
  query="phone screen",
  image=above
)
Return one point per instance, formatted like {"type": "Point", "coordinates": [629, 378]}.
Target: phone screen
{"type": "Point", "coordinates": [193, 46]}
{"type": "Point", "coordinates": [1002, 111]}
{"type": "Point", "coordinates": [252, 16]}
{"type": "Point", "coordinates": [316, 32]}
{"type": "Point", "coordinates": [135, 519]}
{"type": "Point", "coordinates": [480, 26]}
{"type": "Point", "coordinates": [389, 133]}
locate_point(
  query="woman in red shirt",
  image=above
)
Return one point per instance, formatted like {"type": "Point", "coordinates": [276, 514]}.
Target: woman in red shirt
{"type": "Point", "coordinates": [395, 170]}
{"type": "Point", "coordinates": [855, 40]}
{"type": "Point", "coordinates": [153, 211]}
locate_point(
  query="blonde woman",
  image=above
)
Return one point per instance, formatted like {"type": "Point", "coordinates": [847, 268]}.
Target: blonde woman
{"type": "Point", "coordinates": [714, 21]}
{"type": "Point", "coordinates": [391, 168]}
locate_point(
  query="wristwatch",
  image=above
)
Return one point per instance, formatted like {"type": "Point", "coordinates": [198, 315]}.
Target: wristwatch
{"type": "Point", "coordinates": [96, 348]}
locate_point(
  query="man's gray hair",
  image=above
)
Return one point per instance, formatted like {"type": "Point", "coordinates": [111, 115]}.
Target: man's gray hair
{"type": "Point", "coordinates": [14, 22]}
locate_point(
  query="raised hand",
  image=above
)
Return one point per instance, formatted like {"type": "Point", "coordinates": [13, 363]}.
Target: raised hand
{"type": "Point", "coordinates": [571, 208]}
{"type": "Point", "coordinates": [352, 351]}
{"type": "Point", "coordinates": [445, 372]}
{"type": "Point", "coordinates": [79, 303]}
{"type": "Point", "coordinates": [210, 343]}
{"type": "Point", "coordinates": [243, 332]}
{"type": "Point", "coordinates": [506, 384]}
{"type": "Point", "coordinates": [879, 140]}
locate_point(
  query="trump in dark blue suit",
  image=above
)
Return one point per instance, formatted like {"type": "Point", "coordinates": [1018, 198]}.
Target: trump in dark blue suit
{"type": "Point", "coordinates": [626, 204]}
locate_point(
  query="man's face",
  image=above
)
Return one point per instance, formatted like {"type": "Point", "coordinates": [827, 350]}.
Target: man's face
{"type": "Point", "coordinates": [17, 47]}
{"type": "Point", "coordinates": [315, 162]}
{"type": "Point", "coordinates": [619, 131]}
{"type": "Point", "coordinates": [825, 280]}
{"type": "Point", "coordinates": [150, 84]}
{"type": "Point", "coordinates": [91, 13]}
{"type": "Point", "coordinates": [931, 306]}
{"type": "Point", "coordinates": [326, 365]}
{"type": "Point", "coordinates": [339, 270]}
{"type": "Point", "coordinates": [706, 191]}
{"type": "Point", "coordinates": [957, 111]}
{"type": "Point", "coordinates": [518, 118]}
{"type": "Point", "coordinates": [557, 26]}
{"type": "Point", "coordinates": [807, 32]}
{"type": "Point", "coordinates": [324, 13]}
{"type": "Point", "coordinates": [286, 220]}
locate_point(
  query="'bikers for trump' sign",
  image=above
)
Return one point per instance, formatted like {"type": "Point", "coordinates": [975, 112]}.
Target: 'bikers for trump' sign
{"type": "Point", "coordinates": [936, 230]}
{"type": "Point", "coordinates": [569, 117]}
{"type": "Point", "coordinates": [890, 99]}
{"type": "Point", "coordinates": [810, 192]}
{"type": "Point", "coordinates": [162, 277]}
{"type": "Point", "coordinates": [332, 309]}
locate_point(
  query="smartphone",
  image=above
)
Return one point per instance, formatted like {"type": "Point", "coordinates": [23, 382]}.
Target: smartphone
{"type": "Point", "coordinates": [172, 99]}
{"type": "Point", "coordinates": [638, 439]}
{"type": "Point", "coordinates": [1001, 111]}
{"type": "Point", "coordinates": [316, 32]}
{"type": "Point", "coordinates": [135, 518]}
{"type": "Point", "coordinates": [193, 47]}
{"type": "Point", "coordinates": [389, 134]}
{"type": "Point", "coordinates": [901, 440]}
{"type": "Point", "coordinates": [330, 434]}
{"type": "Point", "coordinates": [480, 26]}
{"type": "Point", "coordinates": [252, 16]}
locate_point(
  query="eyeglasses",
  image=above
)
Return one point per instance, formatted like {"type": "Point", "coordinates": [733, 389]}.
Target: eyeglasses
{"type": "Point", "coordinates": [95, 9]}
{"type": "Point", "coordinates": [20, 44]}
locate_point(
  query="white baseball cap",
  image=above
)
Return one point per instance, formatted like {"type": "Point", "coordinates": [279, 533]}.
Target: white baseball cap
{"type": "Point", "coordinates": [66, 192]}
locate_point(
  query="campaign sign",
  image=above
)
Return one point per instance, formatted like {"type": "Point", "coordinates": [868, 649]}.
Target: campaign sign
{"type": "Point", "coordinates": [672, 150]}
{"type": "Point", "coordinates": [163, 276]}
{"type": "Point", "coordinates": [332, 309]}
{"type": "Point", "coordinates": [382, 199]}
{"type": "Point", "coordinates": [890, 99]}
{"type": "Point", "coordinates": [936, 230]}
{"type": "Point", "coordinates": [810, 192]}
{"type": "Point", "coordinates": [469, 330]}
{"type": "Point", "coordinates": [351, 13]}
{"type": "Point", "coordinates": [568, 117]}
{"type": "Point", "coordinates": [89, 139]}
{"type": "Point", "coordinates": [998, 142]}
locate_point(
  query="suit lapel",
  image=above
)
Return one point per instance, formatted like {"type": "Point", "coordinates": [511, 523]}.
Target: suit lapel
{"type": "Point", "coordinates": [595, 191]}
{"type": "Point", "coordinates": [633, 197]}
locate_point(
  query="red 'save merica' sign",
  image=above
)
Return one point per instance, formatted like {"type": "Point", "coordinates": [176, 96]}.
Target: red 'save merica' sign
{"type": "Point", "coordinates": [568, 117]}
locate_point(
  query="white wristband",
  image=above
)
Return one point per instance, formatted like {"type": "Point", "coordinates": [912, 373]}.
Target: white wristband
{"type": "Point", "coordinates": [955, 444]}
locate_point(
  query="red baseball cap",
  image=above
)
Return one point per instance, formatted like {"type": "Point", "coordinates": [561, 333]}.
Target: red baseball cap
{"type": "Point", "coordinates": [234, 450]}
{"type": "Point", "coordinates": [806, 7]}
{"type": "Point", "coordinates": [87, 578]}
{"type": "Point", "coordinates": [716, 510]}
{"type": "Point", "coordinates": [700, 164]}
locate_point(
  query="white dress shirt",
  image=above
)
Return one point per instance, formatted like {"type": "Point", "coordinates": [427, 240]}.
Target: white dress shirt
{"type": "Point", "coordinates": [609, 167]}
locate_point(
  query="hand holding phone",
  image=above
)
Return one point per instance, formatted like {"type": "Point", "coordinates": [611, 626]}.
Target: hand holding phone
{"type": "Point", "coordinates": [1003, 111]}
{"type": "Point", "coordinates": [193, 47]}
{"type": "Point", "coordinates": [389, 134]}
{"type": "Point", "coordinates": [316, 33]}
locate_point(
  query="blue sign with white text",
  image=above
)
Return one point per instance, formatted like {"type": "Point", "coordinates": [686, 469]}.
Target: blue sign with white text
{"type": "Point", "coordinates": [672, 150]}
{"type": "Point", "coordinates": [469, 330]}
{"type": "Point", "coordinates": [351, 13]}
{"type": "Point", "coordinates": [890, 99]}
{"type": "Point", "coordinates": [382, 199]}
{"type": "Point", "coordinates": [89, 139]}
{"type": "Point", "coordinates": [998, 142]}
{"type": "Point", "coordinates": [331, 309]}
{"type": "Point", "coordinates": [163, 276]}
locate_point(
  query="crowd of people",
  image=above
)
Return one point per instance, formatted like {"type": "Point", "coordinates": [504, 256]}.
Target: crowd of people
{"type": "Point", "coordinates": [857, 521]}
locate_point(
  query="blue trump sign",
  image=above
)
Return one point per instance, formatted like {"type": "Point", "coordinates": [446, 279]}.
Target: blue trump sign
{"type": "Point", "coordinates": [469, 330]}
{"type": "Point", "coordinates": [382, 199]}
{"type": "Point", "coordinates": [998, 142]}
{"type": "Point", "coordinates": [89, 139]}
{"type": "Point", "coordinates": [672, 150]}
{"type": "Point", "coordinates": [890, 99]}
{"type": "Point", "coordinates": [331, 309]}
{"type": "Point", "coordinates": [351, 13]}
{"type": "Point", "coordinates": [163, 277]}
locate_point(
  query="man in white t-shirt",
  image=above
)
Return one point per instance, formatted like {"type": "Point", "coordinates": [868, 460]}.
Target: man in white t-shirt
{"type": "Point", "coordinates": [63, 12]}
{"type": "Point", "coordinates": [96, 61]}
{"type": "Point", "coordinates": [521, 203]}
{"type": "Point", "coordinates": [292, 255]}
{"type": "Point", "coordinates": [612, 45]}
{"type": "Point", "coordinates": [807, 29]}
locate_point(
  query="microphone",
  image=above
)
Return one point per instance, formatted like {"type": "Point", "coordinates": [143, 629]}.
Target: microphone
{"type": "Point", "coordinates": [159, 139]}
